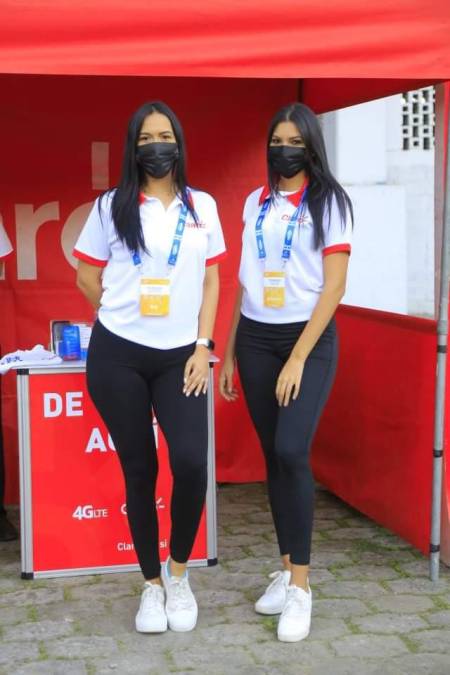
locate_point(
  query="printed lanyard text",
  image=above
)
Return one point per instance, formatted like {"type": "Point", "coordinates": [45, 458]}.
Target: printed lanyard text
{"type": "Point", "coordinates": [287, 246]}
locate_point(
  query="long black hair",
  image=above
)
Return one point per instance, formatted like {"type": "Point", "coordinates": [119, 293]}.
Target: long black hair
{"type": "Point", "coordinates": [323, 186]}
{"type": "Point", "coordinates": [125, 200]}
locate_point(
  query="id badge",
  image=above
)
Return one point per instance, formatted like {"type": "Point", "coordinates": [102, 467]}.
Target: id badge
{"type": "Point", "coordinates": [155, 297]}
{"type": "Point", "coordinates": [274, 289]}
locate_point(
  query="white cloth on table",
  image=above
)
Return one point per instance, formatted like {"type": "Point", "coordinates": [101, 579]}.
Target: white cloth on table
{"type": "Point", "coordinates": [28, 357]}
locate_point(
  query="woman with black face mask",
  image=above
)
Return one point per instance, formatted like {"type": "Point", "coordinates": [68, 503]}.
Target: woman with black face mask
{"type": "Point", "coordinates": [295, 253]}
{"type": "Point", "coordinates": [148, 261]}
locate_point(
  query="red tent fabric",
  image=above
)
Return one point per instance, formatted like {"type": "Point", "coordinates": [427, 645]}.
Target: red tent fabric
{"type": "Point", "coordinates": [405, 39]}
{"type": "Point", "coordinates": [256, 56]}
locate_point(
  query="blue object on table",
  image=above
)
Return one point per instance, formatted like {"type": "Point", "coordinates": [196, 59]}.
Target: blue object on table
{"type": "Point", "coordinates": [70, 347]}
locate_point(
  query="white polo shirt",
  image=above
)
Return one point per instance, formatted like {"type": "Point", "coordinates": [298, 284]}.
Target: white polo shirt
{"type": "Point", "coordinates": [304, 269]}
{"type": "Point", "coordinates": [202, 245]}
{"type": "Point", "coordinates": [5, 245]}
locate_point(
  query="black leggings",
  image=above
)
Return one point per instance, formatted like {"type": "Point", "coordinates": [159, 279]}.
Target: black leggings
{"type": "Point", "coordinates": [286, 433]}
{"type": "Point", "coordinates": [125, 380]}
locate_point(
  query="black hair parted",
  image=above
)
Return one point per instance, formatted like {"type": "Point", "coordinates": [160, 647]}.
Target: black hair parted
{"type": "Point", "coordinates": [125, 197]}
{"type": "Point", "coordinates": [323, 187]}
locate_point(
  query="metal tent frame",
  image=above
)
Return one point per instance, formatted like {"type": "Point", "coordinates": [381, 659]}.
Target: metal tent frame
{"type": "Point", "coordinates": [442, 342]}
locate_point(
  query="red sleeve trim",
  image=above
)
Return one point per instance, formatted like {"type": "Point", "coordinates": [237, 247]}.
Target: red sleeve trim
{"type": "Point", "coordinates": [3, 257]}
{"type": "Point", "coordinates": [88, 259]}
{"type": "Point", "coordinates": [337, 248]}
{"type": "Point", "coordinates": [216, 259]}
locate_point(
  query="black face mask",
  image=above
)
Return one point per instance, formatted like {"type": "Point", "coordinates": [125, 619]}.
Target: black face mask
{"type": "Point", "coordinates": [157, 159]}
{"type": "Point", "coordinates": [287, 160]}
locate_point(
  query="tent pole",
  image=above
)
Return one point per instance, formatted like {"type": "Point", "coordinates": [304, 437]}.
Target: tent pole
{"type": "Point", "coordinates": [442, 339]}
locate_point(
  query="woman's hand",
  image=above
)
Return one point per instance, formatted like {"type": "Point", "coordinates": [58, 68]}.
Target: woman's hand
{"type": "Point", "coordinates": [288, 383]}
{"type": "Point", "coordinates": [226, 386]}
{"type": "Point", "coordinates": [196, 372]}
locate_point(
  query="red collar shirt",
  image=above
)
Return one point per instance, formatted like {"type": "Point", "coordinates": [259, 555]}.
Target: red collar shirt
{"type": "Point", "coordinates": [202, 245]}
{"type": "Point", "coordinates": [304, 269]}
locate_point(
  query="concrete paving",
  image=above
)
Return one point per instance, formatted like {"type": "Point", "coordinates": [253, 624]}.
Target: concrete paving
{"type": "Point", "coordinates": [374, 611]}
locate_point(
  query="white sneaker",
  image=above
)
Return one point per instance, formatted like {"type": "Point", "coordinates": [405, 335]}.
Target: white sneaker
{"type": "Point", "coordinates": [295, 619]}
{"type": "Point", "coordinates": [151, 616]}
{"type": "Point", "coordinates": [274, 597]}
{"type": "Point", "coordinates": [181, 606]}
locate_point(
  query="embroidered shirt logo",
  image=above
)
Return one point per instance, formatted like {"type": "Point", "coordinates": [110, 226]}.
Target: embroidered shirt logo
{"type": "Point", "coordinates": [300, 220]}
{"type": "Point", "coordinates": [199, 225]}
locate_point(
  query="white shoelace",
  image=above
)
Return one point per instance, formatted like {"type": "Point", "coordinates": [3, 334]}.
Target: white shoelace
{"type": "Point", "coordinates": [278, 580]}
{"type": "Point", "coordinates": [151, 598]}
{"type": "Point", "coordinates": [295, 602]}
{"type": "Point", "coordinates": [180, 593]}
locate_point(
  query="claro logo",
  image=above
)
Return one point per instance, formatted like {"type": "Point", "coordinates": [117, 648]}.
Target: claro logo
{"type": "Point", "coordinates": [159, 505]}
{"type": "Point", "coordinates": [30, 218]}
{"type": "Point", "coordinates": [300, 220]}
{"type": "Point", "coordinates": [88, 513]}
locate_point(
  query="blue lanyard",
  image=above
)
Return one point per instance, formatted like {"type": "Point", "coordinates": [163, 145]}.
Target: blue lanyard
{"type": "Point", "coordinates": [287, 246]}
{"type": "Point", "coordinates": [175, 249]}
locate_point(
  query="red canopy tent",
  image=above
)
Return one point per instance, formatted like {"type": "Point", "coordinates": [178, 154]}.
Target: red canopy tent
{"type": "Point", "coordinates": [321, 42]}
{"type": "Point", "coordinates": [73, 71]}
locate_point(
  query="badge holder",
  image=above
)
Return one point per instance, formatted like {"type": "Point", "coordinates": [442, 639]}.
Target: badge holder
{"type": "Point", "coordinates": [155, 296]}
{"type": "Point", "coordinates": [274, 283]}
{"type": "Point", "coordinates": [274, 289]}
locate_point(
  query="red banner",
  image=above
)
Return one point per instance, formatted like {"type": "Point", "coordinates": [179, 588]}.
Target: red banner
{"type": "Point", "coordinates": [78, 504]}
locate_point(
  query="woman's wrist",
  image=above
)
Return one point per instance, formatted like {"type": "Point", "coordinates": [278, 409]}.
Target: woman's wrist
{"type": "Point", "coordinates": [299, 356]}
{"type": "Point", "coordinates": [229, 355]}
{"type": "Point", "coordinates": [202, 349]}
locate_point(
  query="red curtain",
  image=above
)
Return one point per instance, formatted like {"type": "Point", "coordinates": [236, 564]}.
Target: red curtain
{"type": "Point", "coordinates": [374, 444]}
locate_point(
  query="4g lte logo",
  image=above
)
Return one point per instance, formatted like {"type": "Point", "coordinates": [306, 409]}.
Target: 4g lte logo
{"type": "Point", "coordinates": [88, 513]}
